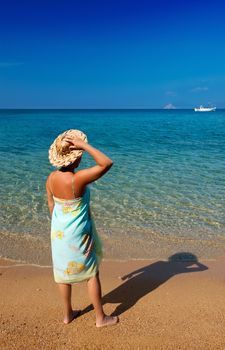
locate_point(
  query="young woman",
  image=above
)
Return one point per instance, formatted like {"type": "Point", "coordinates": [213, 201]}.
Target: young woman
{"type": "Point", "coordinates": [76, 247]}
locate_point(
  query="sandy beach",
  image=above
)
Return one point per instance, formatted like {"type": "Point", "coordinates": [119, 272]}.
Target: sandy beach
{"type": "Point", "coordinates": [112, 149]}
{"type": "Point", "coordinates": [161, 305]}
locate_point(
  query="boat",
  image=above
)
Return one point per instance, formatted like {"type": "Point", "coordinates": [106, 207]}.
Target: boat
{"type": "Point", "coordinates": [205, 109]}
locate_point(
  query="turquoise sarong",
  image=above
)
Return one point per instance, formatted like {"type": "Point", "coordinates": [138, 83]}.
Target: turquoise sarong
{"type": "Point", "coordinates": [76, 247]}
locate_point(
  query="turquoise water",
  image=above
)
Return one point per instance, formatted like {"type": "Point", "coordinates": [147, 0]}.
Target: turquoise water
{"type": "Point", "coordinates": [166, 185]}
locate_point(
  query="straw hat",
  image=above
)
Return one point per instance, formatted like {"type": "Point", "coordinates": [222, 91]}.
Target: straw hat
{"type": "Point", "coordinates": [60, 154]}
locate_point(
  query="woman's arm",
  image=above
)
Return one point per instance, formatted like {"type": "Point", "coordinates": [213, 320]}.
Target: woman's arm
{"type": "Point", "coordinates": [49, 196]}
{"type": "Point", "coordinates": [103, 163]}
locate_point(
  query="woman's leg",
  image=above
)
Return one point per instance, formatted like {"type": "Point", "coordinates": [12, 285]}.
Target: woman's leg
{"type": "Point", "coordinates": [95, 294]}
{"type": "Point", "coordinates": [65, 292]}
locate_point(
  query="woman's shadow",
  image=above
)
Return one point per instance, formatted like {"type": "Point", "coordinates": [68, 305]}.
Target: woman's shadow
{"type": "Point", "coordinates": [144, 280]}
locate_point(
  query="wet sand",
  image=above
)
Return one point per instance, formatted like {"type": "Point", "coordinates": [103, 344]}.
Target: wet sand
{"type": "Point", "coordinates": [161, 305]}
{"type": "Point", "coordinates": [118, 245]}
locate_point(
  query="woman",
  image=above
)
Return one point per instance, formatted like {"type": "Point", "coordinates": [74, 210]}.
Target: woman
{"type": "Point", "coordinates": [76, 248]}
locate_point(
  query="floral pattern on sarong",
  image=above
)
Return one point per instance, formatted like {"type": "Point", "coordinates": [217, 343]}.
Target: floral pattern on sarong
{"type": "Point", "coordinates": [74, 267]}
{"type": "Point", "coordinates": [76, 247]}
{"type": "Point", "coordinates": [57, 234]}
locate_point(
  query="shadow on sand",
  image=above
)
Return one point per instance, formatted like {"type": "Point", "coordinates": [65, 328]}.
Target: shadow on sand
{"type": "Point", "coordinates": [139, 283]}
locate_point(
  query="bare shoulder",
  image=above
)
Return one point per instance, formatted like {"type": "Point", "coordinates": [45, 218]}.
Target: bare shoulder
{"type": "Point", "coordinates": [48, 178]}
{"type": "Point", "coordinates": [78, 175]}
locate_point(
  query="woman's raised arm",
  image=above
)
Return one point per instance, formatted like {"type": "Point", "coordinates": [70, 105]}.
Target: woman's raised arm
{"type": "Point", "coordinates": [103, 163]}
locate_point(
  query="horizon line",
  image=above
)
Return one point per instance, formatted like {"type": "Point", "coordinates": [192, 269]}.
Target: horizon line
{"type": "Point", "coordinates": [100, 109]}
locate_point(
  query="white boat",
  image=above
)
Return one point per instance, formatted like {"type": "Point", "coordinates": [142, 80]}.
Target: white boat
{"type": "Point", "coordinates": [205, 109]}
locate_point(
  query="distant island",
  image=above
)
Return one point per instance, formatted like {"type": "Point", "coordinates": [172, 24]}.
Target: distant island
{"type": "Point", "coordinates": [169, 106]}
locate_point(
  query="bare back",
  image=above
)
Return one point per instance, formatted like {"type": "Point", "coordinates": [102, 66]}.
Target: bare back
{"type": "Point", "coordinates": [65, 185]}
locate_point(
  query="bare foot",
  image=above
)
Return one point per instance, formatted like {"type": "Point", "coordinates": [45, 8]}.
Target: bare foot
{"type": "Point", "coordinates": [107, 321]}
{"type": "Point", "coordinates": [74, 314]}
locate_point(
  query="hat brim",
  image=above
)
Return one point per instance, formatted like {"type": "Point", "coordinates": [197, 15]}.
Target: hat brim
{"type": "Point", "coordinates": [63, 160]}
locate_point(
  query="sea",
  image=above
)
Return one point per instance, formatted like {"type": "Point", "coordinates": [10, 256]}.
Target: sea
{"type": "Point", "coordinates": [164, 194]}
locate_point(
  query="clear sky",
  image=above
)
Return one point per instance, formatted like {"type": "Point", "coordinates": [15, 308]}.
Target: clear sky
{"type": "Point", "coordinates": [112, 54]}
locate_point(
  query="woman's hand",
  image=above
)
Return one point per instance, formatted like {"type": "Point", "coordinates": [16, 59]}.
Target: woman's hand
{"type": "Point", "coordinates": [103, 163]}
{"type": "Point", "coordinates": [76, 142]}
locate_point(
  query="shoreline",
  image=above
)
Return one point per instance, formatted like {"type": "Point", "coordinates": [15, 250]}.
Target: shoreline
{"type": "Point", "coordinates": [161, 305]}
{"type": "Point", "coordinates": [30, 249]}
{"type": "Point", "coordinates": [8, 262]}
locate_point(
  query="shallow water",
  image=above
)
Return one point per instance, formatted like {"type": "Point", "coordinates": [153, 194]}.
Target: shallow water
{"type": "Point", "coordinates": [166, 185]}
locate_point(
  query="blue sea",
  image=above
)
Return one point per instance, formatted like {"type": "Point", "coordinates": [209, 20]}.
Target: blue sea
{"type": "Point", "coordinates": [165, 192]}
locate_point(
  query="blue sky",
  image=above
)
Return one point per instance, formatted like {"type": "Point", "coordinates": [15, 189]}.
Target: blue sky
{"type": "Point", "coordinates": [112, 54]}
